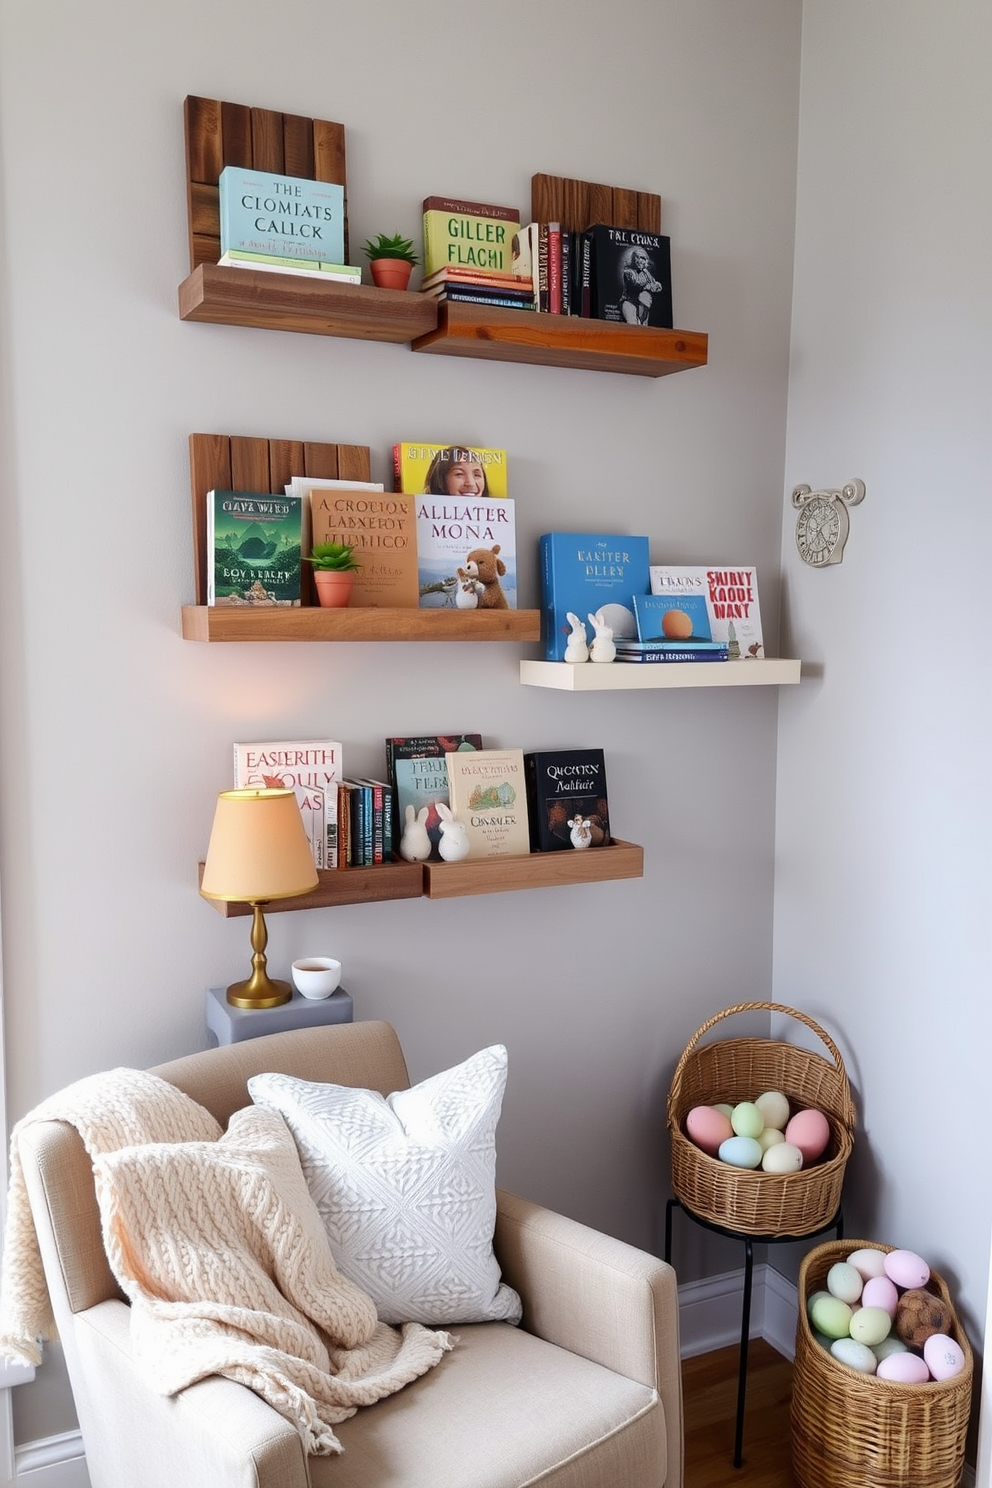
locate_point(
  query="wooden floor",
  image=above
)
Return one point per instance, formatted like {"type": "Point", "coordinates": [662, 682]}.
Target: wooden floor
{"type": "Point", "coordinates": [710, 1390]}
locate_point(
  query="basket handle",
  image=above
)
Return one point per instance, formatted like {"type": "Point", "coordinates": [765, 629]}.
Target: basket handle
{"type": "Point", "coordinates": [757, 1007]}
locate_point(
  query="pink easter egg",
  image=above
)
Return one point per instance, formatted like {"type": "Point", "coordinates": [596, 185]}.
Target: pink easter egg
{"type": "Point", "coordinates": [903, 1369]}
{"type": "Point", "coordinates": [879, 1291]}
{"type": "Point", "coordinates": [809, 1130]}
{"type": "Point", "coordinates": [708, 1128]}
{"type": "Point", "coordinates": [906, 1269]}
{"type": "Point", "coordinates": [943, 1357]}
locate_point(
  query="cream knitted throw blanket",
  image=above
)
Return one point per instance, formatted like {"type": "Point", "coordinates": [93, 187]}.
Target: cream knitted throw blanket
{"type": "Point", "coordinates": [216, 1242]}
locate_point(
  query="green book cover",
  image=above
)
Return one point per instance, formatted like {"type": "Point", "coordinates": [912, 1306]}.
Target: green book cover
{"type": "Point", "coordinates": [466, 241]}
{"type": "Point", "coordinates": [253, 548]}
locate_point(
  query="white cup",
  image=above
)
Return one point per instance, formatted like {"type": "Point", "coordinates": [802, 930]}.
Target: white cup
{"type": "Point", "coordinates": [316, 976]}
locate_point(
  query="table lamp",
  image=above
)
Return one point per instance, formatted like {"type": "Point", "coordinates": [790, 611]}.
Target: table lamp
{"type": "Point", "coordinates": [258, 851]}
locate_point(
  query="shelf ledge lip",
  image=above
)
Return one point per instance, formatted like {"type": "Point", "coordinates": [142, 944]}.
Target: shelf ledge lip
{"type": "Point", "coordinates": [361, 623]}
{"type": "Point", "coordinates": [620, 676]}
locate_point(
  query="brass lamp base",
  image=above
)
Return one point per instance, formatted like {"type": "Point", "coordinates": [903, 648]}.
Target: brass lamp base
{"type": "Point", "coordinates": [259, 990]}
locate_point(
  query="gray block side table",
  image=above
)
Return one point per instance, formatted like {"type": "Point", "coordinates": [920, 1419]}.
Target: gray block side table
{"type": "Point", "coordinates": [230, 1025]}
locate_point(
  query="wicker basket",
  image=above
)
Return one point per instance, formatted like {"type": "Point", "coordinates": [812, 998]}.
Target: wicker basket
{"type": "Point", "coordinates": [851, 1430]}
{"type": "Point", "coordinates": [731, 1070]}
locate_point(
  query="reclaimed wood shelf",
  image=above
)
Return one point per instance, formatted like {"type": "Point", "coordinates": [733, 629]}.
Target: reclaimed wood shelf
{"type": "Point", "coordinates": [399, 880]}
{"type": "Point", "coordinates": [292, 302]}
{"type": "Point", "coordinates": [562, 341]}
{"type": "Point", "coordinates": [546, 870]}
{"type": "Point", "coordinates": [309, 623]}
{"type": "Point", "coordinates": [630, 676]}
{"type": "Point", "coordinates": [340, 886]}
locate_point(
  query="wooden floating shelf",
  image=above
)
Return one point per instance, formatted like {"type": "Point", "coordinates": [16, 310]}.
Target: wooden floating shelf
{"type": "Point", "coordinates": [340, 886]}
{"type": "Point", "coordinates": [621, 676]}
{"type": "Point", "coordinates": [292, 302]}
{"type": "Point", "coordinates": [398, 880]}
{"type": "Point", "coordinates": [310, 623]}
{"type": "Point", "coordinates": [562, 341]}
{"type": "Point", "coordinates": [549, 870]}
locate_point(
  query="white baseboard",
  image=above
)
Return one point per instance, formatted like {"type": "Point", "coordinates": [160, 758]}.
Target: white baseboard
{"type": "Point", "coordinates": [709, 1318]}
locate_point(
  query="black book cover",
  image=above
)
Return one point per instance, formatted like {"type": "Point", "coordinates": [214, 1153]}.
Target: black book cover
{"type": "Point", "coordinates": [563, 784]}
{"type": "Point", "coordinates": [631, 276]}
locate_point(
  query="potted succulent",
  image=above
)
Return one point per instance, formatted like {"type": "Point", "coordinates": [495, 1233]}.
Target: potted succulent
{"type": "Point", "coordinates": [334, 566]}
{"type": "Point", "coordinates": [391, 260]}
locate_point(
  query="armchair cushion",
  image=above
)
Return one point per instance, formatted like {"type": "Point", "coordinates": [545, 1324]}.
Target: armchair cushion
{"type": "Point", "coordinates": [406, 1186]}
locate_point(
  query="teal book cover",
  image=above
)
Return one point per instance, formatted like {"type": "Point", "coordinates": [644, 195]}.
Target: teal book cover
{"type": "Point", "coordinates": [288, 216]}
{"type": "Point", "coordinates": [584, 572]}
{"type": "Point", "coordinates": [665, 617]}
{"type": "Point", "coordinates": [422, 782]}
{"type": "Point", "coordinates": [253, 548]}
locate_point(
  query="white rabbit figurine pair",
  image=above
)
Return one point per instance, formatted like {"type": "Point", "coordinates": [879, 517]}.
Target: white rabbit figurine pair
{"type": "Point", "coordinates": [576, 647]}
{"type": "Point", "coordinates": [415, 843]}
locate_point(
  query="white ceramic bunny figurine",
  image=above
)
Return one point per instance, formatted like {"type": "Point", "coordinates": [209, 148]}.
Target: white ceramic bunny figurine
{"type": "Point", "coordinates": [603, 647]}
{"type": "Point", "coordinates": [467, 594]}
{"type": "Point", "coordinates": [415, 844]}
{"type": "Point", "coordinates": [581, 831]}
{"type": "Point", "coordinates": [576, 647]}
{"type": "Point", "coordinates": [454, 844]}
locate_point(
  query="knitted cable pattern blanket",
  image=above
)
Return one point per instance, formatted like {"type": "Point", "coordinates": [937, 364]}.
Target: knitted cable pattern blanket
{"type": "Point", "coordinates": [223, 1255]}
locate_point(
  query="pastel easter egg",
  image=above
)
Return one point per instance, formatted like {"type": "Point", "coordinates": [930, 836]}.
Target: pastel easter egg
{"type": "Point", "coordinates": [906, 1268]}
{"type": "Point", "coordinates": [857, 1355]}
{"type": "Point", "coordinates": [708, 1127]}
{"type": "Point", "coordinates": [774, 1108]}
{"type": "Point", "coordinates": [869, 1325]}
{"type": "Point", "coordinates": [890, 1344]}
{"type": "Point", "coordinates": [740, 1152]}
{"type": "Point", "coordinates": [831, 1316]}
{"type": "Point", "coordinates": [844, 1282]}
{"type": "Point", "coordinates": [809, 1130]}
{"type": "Point", "coordinates": [746, 1119]}
{"type": "Point", "coordinates": [943, 1357]}
{"type": "Point", "coordinates": [879, 1291]}
{"type": "Point", "coordinates": [722, 1106]}
{"type": "Point", "coordinates": [770, 1137]}
{"type": "Point", "coordinates": [782, 1157]}
{"type": "Point", "coordinates": [869, 1261]}
{"type": "Point", "coordinates": [903, 1369]}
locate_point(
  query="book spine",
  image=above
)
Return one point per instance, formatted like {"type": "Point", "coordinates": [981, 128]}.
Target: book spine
{"type": "Point", "coordinates": [566, 272]}
{"type": "Point", "coordinates": [506, 302]}
{"type": "Point", "coordinates": [344, 826]}
{"type": "Point", "coordinates": [542, 266]}
{"type": "Point", "coordinates": [377, 835]}
{"type": "Point", "coordinates": [585, 278]}
{"type": "Point", "coordinates": [690, 654]}
{"type": "Point", "coordinates": [469, 208]}
{"type": "Point", "coordinates": [397, 469]}
{"type": "Point", "coordinates": [554, 268]}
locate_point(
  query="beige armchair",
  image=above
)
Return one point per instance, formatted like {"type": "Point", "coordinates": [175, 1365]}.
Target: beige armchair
{"type": "Point", "coordinates": [585, 1394]}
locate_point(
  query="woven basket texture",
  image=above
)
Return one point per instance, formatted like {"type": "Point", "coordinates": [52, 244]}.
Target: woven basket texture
{"type": "Point", "coordinates": [738, 1069]}
{"type": "Point", "coordinates": [851, 1430]}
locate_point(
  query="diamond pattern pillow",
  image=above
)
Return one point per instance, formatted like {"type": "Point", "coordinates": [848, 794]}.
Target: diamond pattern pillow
{"type": "Point", "coordinates": [406, 1187]}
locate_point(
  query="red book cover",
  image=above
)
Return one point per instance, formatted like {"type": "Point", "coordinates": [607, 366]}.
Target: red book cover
{"type": "Point", "coordinates": [554, 268]}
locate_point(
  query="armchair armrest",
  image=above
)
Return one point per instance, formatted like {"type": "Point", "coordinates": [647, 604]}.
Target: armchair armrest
{"type": "Point", "coordinates": [215, 1432]}
{"type": "Point", "coordinates": [595, 1296]}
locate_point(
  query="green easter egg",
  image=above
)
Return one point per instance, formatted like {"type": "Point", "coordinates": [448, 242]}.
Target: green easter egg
{"type": "Point", "coordinates": [831, 1316]}
{"type": "Point", "coordinates": [746, 1119]}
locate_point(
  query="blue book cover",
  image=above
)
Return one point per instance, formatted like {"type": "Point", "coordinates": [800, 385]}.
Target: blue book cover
{"type": "Point", "coordinates": [287, 216]}
{"type": "Point", "coordinates": [666, 617]}
{"type": "Point", "coordinates": [585, 572]}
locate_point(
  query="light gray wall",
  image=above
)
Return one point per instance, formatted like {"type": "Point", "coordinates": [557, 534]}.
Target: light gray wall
{"type": "Point", "coordinates": [882, 883]}
{"type": "Point", "coordinates": [117, 734]}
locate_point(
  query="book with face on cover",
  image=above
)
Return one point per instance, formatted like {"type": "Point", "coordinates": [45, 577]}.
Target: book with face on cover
{"type": "Point", "coordinates": [305, 766]}
{"type": "Point", "coordinates": [487, 792]}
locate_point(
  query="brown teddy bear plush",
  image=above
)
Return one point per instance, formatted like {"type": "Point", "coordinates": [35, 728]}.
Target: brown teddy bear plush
{"type": "Point", "coordinates": [488, 568]}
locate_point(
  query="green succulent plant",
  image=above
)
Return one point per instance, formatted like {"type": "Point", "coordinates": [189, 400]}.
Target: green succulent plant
{"type": "Point", "coordinates": [338, 557]}
{"type": "Point", "coordinates": [395, 247]}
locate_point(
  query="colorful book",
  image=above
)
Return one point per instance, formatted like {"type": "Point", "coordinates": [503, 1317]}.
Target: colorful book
{"type": "Point", "coordinates": [254, 546]}
{"type": "Point", "coordinates": [472, 208]}
{"type": "Point", "coordinates": [422, 746]}
{"type": "Point", "coordinates": [466, 552]}
{"type": "Point", "coordinates": [585, 572]}
{"type": "Point", "coordinates": [380, 804]}
{"type": "Point", "coordinates": [562, 785]}
{"type": "Point", "coordinates": [631, 276]}
{"type": "Point", "coordinates": [235, 258]}
{"type": "Point", "coordinates": [302, 765]}
{"type": "Point", "coordinates": [542, 266]}
{"type": "Point", "coordinates": [468, 240]}
{"type": "Point", "coordinates": [731, 601]}
{"type": "Point", "coordinates": [554, 268]}
{"type": "Point", "coordinates": [500, 301]}
{"type": "Point", "coordinates": [430, 469]}
{"type": "Point", "coordinates": [288, 216]}
{"type": "Point", "coordinates": [344, 826]}
{"type": "Point", "coordinates": [382, 528]}
{"type": "Point", "coordinates": [448, 275]}
{"type": "Point", "coordinates": [672, 651]}
{"type": "Point", "coordinates": [421, 781]}
{"type": "Point", "coordinates": [484, 289]}
{"type": "Point", "coordinates": [663, 618]}
{"type": "Point", "coordinates": [487, 791]}
{"type": "Point", "coordinates": [521, 253]}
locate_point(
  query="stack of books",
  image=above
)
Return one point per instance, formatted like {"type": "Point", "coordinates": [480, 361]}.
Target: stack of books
{"type": "Point", "coordinates": [283, 225]}
{"type": "Point", "coordinates": [672, 629]}
{"type": "Point", "coordinates": [602, 273]}
{"type": "Point", "coordinates": [473, 254]}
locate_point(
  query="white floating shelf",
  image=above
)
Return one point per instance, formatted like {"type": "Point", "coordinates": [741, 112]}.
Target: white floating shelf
{"type": "Point", "coordinates": [621, 676]}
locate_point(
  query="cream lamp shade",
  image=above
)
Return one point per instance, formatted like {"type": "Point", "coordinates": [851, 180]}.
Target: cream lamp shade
{"type": "Point", "coordinates": [259, 850]}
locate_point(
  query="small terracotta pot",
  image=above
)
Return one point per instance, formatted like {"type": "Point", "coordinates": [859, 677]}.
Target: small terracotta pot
{"type": "Point", "coordinates": [333, 587]}
{"type": "Point", "coordinates": [391, 273]}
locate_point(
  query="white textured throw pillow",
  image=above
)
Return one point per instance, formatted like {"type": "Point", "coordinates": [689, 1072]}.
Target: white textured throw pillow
{"type": "Point", "coordinates": [406, 1187]}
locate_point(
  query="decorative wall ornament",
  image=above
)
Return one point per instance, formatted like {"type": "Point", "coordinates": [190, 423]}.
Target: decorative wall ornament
{"type": "Point", "coordinates": [823, 522]}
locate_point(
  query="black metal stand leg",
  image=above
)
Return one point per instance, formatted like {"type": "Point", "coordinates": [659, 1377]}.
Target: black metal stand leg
{"type": "Point", "coordinates": [745, 1340]}
{"type": "Point", "coordinates": [672, 1204]}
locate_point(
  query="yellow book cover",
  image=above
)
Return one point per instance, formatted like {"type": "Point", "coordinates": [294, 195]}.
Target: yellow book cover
{"type": "Point", "coordinates": [449, 470]}
{"type": "Point", "coordinates": [463, 240]}
{"type": "Point", "coordinates": [487, 791]}
{"type": "Point", "coordinates": [382, 528]}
